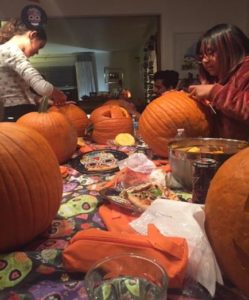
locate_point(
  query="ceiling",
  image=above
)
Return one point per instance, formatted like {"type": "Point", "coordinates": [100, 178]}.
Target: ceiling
{"type": "Point", "coordinates": [98, 33]}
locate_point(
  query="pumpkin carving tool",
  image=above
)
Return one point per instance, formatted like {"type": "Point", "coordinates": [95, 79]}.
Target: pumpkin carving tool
{"type": "Point", "coordinates": [206, 102]}
{"type": "Point", "coordinates": [211, 106]}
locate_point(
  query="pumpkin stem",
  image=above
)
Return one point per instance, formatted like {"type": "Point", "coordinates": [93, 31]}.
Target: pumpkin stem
{"type": "Point", "coordinates": [43, 107]}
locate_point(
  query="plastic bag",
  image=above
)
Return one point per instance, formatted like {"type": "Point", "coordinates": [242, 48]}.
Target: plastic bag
{"type": "Point", "coordinates": [175, 218]}
{"type": "Point", "coordinates": [137, 162]}
{"type": "Point", "coordinates": [134, 170]}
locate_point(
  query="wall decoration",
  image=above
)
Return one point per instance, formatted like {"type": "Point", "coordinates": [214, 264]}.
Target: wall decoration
{"type": "Point", "coordinates": [114, 78]}
{"type": "Point", "coordinates": [184, 59]}
{"type": "Point", "coordinates": [150, 66]}
{"type": "Point", "coordinates": [113, 75]}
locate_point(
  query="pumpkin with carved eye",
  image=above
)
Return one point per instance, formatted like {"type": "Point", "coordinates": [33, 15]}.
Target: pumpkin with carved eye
{"type": "Point", "coordinates": [227, 218]}
{"type": "Point", "coordinates": [75, 115]}
{"type": "Point", "coordinates": [173, 110]}
{"type": "Point", "coordinates": [108, 121]}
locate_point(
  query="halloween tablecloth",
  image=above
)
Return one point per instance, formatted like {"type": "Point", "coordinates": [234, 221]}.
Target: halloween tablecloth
{"type": "Point", "coordinates": [36, 271]}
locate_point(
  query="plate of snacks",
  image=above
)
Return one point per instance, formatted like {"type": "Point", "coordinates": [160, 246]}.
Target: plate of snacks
{"type": "Point", "coordinates": [138, 198]}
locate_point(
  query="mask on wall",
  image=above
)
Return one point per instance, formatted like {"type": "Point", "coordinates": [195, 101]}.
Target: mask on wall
{"type": "Point", "coordinates": [33, 16]}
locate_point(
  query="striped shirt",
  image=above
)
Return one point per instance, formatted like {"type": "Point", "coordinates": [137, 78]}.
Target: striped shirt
{"type": "Point", "coordinates": [17, 76]}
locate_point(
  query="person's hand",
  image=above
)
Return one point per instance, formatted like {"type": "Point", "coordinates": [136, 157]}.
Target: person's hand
{"type": "Point", "coordinates": [200, 92]}
{"type": "Point", "coordinates": [59, 98]}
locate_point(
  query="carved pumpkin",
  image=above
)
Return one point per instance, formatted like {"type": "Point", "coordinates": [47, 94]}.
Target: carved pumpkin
{"type": "Point", "coordinates": [108, 121]}
{"type": "Point", "coordinates": [163, 116]}
{"type": "Point", "coordinates": [58, 131]}
{"type": "Point", "coordinates": [227, 218]}
{"type": "Point", "coordinates": [30, 185]}
{"type": "Point", "coordinates": [75, 115]}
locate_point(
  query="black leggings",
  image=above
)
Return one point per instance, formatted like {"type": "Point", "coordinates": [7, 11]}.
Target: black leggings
{"type": "Point", "coordinates": [12, 113]}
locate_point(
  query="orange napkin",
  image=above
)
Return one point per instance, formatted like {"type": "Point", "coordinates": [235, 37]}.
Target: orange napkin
{"type": "Point", "coordinates": [116, 220]}
{"type": "Point", "coordinates": [89, 246]}
{"type": "Point", "coordinates": [163, 164]}
{"type": "Point", "coordinates": [85, 148]}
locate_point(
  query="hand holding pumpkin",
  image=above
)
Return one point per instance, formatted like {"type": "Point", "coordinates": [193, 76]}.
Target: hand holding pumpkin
{"type": "Point", "coordinates": [59, 98]}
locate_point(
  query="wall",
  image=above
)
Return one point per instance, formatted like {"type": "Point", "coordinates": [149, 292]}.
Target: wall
{"type": "Point", "coordinates": [102, 61]}
{"type": "Point", "coordinates": [176, 15]}
{"type": "Point", "coordinates": [120, 59]}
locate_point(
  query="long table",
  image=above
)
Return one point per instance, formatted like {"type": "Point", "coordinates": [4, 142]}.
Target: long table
{"type": "Point", "coordinates": [36, 271]}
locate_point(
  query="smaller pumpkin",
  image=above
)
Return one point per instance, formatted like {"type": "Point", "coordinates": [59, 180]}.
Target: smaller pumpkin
{"type": "Point", "coordinates": [57, 130]}
{"type": "Point", "coordinates": [75, 115]}
{"type": "Point", "coordinates": [108, 121]}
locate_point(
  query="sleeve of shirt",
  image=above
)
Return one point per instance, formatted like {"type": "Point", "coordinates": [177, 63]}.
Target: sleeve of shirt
{"type": "Point", "coordinates": [19, 63]}
{"type": "Point", "coordinates": [233, 97]}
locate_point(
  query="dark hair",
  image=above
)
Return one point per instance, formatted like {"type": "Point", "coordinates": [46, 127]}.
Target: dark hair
{"type": "Point", "coordinates": [169, 78]}
{"type": "Point", "coordinates": [15, 26]}
{"type": "Point", "coordinates": [231, 46]}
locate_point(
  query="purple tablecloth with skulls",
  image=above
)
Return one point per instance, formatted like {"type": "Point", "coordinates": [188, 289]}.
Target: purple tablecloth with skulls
{"type": "Point", "coordinates": [36, 272]}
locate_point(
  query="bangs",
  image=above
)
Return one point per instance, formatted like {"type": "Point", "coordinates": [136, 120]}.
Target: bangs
{"type": "Point", "coordinates": [207, 46]}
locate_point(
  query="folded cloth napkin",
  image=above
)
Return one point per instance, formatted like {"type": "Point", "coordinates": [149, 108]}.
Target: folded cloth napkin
{"type": "Point", "coordinates": [176, 218]}
{"type": "Point", "coordinates": [89, 246]}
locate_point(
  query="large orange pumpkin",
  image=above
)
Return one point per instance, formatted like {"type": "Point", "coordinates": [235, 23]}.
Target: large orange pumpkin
{"type": "Point", "coordinates": [30, 185]}
{"type": "Point", "coordinates": [227, 218]}
{"type": "Point", "coordinates": [75, 115]}
{"type": "Point", "coordinates": [108, 121]}
{"type": "Point", "coordinates": [58, 131]}
{"type": "Point", "coordinates": [163, 116]}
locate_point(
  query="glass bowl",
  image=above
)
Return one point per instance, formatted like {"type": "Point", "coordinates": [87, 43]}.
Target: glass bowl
{"type": "Point", "coordinates": [126, 276]}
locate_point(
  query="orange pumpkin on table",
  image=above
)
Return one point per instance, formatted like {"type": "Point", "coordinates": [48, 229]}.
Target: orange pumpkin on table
{"type": "Point", "coordinates": [227, 218]}
{"type": "Point", "coordinates": [108, 121]}
{"type": "Point", "coordinates": [75, 115]}
{"type": "Point", "coordinates": [58, 131]}
{"type": "Point", "coordinates": [30, 185]}
{"type": "Point", "coordinates": [163, 116]}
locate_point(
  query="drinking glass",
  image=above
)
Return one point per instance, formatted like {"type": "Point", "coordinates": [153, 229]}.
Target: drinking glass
{"type": "Point", "coordinates": [126, 277]}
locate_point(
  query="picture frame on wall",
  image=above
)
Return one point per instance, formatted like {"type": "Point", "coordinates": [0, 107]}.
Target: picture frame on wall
{"type": "Point", "coordinates": [113, 75]}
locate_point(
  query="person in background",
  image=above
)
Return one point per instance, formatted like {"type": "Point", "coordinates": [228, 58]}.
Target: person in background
{"type": "Point", "coordinates": [125, 94]}
{"type": "Point", "coordinates": [17, 76]}
{"type": "Point", "coordinates": [125, 100]}
{"type": "Point", "coordinates": [184, 84]}
{"type": "Point", "coordinates": [165, 81]}
{"type": "Point", "coordinates": [223, 54]}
